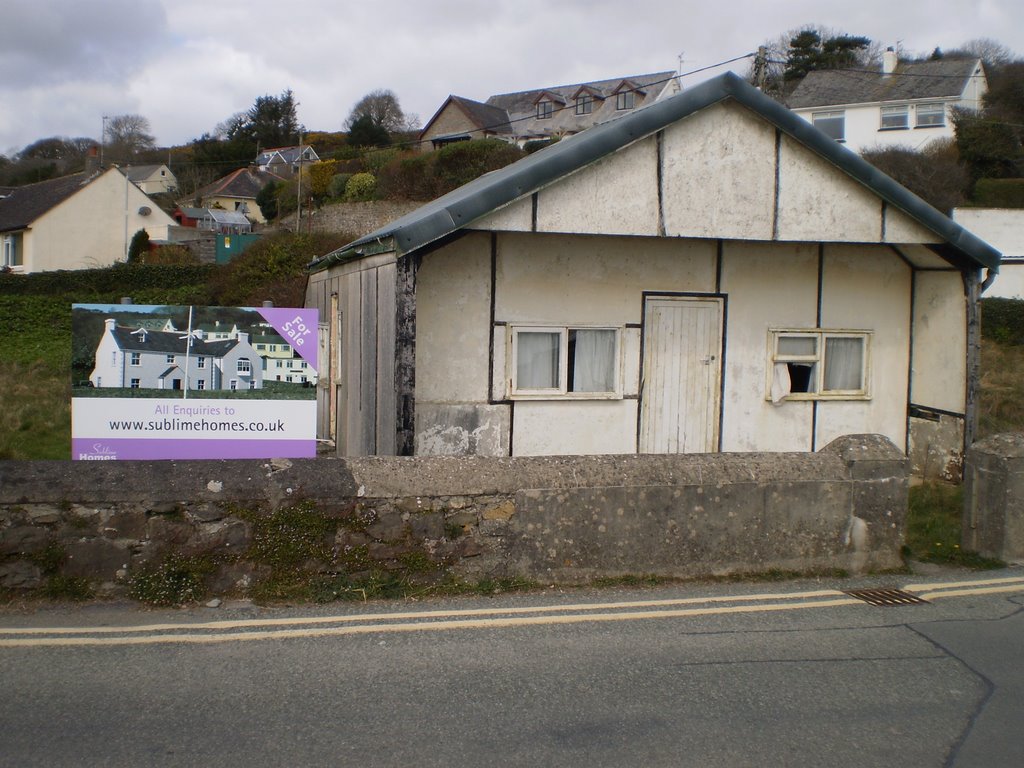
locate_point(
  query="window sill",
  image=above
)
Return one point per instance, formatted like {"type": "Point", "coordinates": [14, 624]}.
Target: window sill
{"type": "Point", "coordinates": [566, 396]}
{"type": "Point", "coordinates": [926, 127]}
{"type": "Point", "coordinates": [802, 397]}
{"type": "Point", "coordinates": [900, 128]}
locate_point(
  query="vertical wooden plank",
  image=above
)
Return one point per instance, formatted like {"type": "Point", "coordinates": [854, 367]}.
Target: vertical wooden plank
{"type": "Point", "coordinates": [367, 415]}
{"type": "Point", "coordinates": [386, 397]}
{"type": "Point", "coordinates": [352, 311]}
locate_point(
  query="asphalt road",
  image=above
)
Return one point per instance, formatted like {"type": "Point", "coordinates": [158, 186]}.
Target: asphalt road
{"type": "Point", "coordinates": [793, 674]}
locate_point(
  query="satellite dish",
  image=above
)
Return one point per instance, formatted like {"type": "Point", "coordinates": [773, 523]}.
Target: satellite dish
{"type": "Point", "coordinates": [145, 210]}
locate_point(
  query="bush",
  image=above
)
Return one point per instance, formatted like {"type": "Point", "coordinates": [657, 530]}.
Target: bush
{"type": "Point", "coordinates": [361, 187]}
{"type": "Point", "coordinates": [1003, 320]}
{"type": "Point", "coordinates": [336, 189]}
{"type": "Point", "coordinates": [376, 159]}
{"type": "Point", "coordinates": [999, 193]}
{"type": "Point", "coordinates": [460, 163]}
{"type": "Point", "coordinates": [176, 580]}
{"type": "Point", "coordinates": [266, 199]}
{"type": "Point", "coordinates": [138, 246]}
{"type": "Point", "coordinates": [408, 177]}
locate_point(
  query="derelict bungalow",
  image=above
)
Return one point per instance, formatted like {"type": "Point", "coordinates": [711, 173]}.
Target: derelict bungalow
{"type": "Point", "coordinates": [711, 273]}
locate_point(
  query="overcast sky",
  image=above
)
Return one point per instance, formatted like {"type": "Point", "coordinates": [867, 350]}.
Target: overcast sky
{"type": "Point", "coordinates": [187, 65]}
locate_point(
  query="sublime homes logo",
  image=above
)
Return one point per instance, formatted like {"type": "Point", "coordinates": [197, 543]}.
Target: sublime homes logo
{"type": "Point", "coordinates": [99, 452]}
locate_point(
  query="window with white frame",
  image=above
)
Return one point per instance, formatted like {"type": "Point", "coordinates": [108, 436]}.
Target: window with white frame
{"type": "Point", "coordinates": [244, 366]}
{"type": "Point", "coordinates": [200, 362]}
{"type": "Point", "coordinates": [584, 104]}
{"type": "Point", "coordinates": [833, 124]}
{"type": "Point", "coordinates": [170, 359]}
{"type": "Point", "coordinates": [12, 250]}
{"type": "Point", "coordinates": [895, 118]}
{"type": "Point", "coordinates": [817, 364]}
{"type": "Point", "coordinates": [930, 115]}
{"type": "Point", "coordinates": [136, 383]}
{"type": "Point", "coordinates": [556, 362]}
{"type": "Point", "coordinates": [201, 384]}
{"type": "Point", "coordinates": [625, 100]}
{"type": "Point", "coordinates": [135, 359]}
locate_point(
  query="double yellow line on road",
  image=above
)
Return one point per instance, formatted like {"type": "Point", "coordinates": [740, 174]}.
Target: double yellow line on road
{"type": "Point", "coordinates": [475, 618]}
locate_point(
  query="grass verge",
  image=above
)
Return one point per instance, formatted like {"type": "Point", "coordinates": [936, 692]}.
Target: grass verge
{"type": "Point", "coordinates": [935, 528]}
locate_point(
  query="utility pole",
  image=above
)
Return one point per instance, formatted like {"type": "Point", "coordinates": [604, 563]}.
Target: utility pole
{"type": "Point", "coordinates": [298, 193]}
{"type": "Point", "coordinates": [103, 137]}
{"type": "Point", "coordinates": [760, 74]}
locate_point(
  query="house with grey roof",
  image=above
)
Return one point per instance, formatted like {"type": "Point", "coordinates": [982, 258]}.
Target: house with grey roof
{"type": "Point", "coordinates": [237, 192]}
{"type": "Point", "coordinates": [710, 273]}
{"type": "Point", "coordinates": [80, 221]}
{"type": "Point", "coordinates": [153, 179]}
{"type": "Point", "coordinates": [901, 104]}
{"type": "Point", "coordinates": [140, 358]}
{"type": "Point", "coordinates": [544, 113]}
{"type": "Point", "coordinates": [285, 161]}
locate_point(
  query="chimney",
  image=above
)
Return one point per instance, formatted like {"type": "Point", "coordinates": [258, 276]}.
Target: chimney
{"type": "Point", "coordinates": [92, 159]}
{"type": "Point", "coordinates": [889, 61]}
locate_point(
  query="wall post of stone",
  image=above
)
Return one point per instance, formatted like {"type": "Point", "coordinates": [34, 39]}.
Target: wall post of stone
{"type": "Point", "coordinates": [994, 497]}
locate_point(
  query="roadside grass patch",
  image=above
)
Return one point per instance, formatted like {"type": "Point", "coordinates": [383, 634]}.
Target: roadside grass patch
{"type": "Point", "coordinates": [935, 527]}
{"type": "Point", "coordinates": [73, 588]}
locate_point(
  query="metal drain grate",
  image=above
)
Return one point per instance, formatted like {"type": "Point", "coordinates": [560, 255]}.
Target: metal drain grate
{"type": "Point", "coordinates": [885, 596]}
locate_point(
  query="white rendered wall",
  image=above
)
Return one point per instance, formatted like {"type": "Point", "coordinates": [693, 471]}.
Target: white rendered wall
{"type": "Point", "coordinates": [939, 372]}
{"type": "Point", "coordinates": [1003, 229]}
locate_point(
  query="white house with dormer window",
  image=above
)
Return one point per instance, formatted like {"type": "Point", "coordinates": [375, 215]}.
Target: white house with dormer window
{"type": "Point", "coordinates": [902, 104]}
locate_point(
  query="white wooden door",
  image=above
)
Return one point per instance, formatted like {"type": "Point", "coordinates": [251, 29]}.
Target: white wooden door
{"type": "Point", "coordinates": [679, 408]}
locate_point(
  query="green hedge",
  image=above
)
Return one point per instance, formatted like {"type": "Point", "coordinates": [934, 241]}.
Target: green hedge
{"type": "Point", "coordinates": [1002, 320]}
{"type": "Point", "coordinates": [111, 283]}
{"type": "Point", "coordinates": [999, 193]}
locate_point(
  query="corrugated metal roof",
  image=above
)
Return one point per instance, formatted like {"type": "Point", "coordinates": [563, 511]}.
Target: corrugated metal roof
{"type": "Point", "coordinates": [461, 207]}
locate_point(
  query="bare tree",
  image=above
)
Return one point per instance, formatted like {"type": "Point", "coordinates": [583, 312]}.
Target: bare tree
{"type": "Point", "coordinates": [991, 52]}
{"type": "Point", "coordinates": [382, 107]}
{"type": "Point", "coordinates": [126, 136]}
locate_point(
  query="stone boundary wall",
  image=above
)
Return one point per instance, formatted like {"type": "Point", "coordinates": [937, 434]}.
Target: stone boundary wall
{"type": "Point", "coordinates": [355, 218]}
{"type": "Point", "coordinates": [994, 498]}
{"type": "Point", "coordinates": [547, 519]}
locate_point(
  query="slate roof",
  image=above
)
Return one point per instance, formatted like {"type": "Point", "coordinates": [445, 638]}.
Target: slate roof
{"type": "Point", "coordinates": [459, 208]}
{"type": "Point", "coordinates": [525, 102]}
{"type": "Point", "coordinates": [244, 183]}
{"type": "Point", "coordinates": [288, 154]}
{"type": "Point", "coordinates": [23, 205]}
{"type": "Point", "coordinates": [942, 79]}
{"type": "Point", "coordinates": [169, 342]}
{"type": "Point", "coordinates": [515, 114]}
{"type": "Point", "coordinates": [137, 173]}
{"type": "Point", "coordinates": [487, 116]}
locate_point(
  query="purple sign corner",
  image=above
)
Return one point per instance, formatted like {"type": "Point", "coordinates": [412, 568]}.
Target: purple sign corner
{"type": "Point", "coordinates": [296, 326]}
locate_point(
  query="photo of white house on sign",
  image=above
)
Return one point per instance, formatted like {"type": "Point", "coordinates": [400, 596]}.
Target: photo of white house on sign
{"type": "Point", "coordinates": [174, 382]}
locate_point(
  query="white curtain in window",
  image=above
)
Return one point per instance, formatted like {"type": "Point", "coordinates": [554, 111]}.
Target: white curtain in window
{"type": "Point", "coordinates": [781, 385]}
{"type": "Point", "coordinates": [537, 360]}
{"type": "Point", "coordinates": [594, 361]}
{"type": "Point", "coordinates": [844, 363]}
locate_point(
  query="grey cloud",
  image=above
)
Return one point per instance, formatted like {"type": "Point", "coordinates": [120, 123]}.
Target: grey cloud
{"type": "Point", "coordinates": [53, 41]}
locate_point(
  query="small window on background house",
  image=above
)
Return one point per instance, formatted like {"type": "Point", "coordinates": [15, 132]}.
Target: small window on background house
{"type": "Point", "coordinates": [170, 359]}
{"type": "Point", "coordinates": [584, 104]}
{"type": "Point", "coordinates": [545, 109]}
{"type": "Point", "coordinates": [565, 362]}
{"type": "Point", "coordinates": [136, 384]}
{"type": "Point", "coordinates": [819, 364]}
{"type": "Point", "coordinates": [833, 124]}
{"type": "Point", "coordinates": [894, 118]}
{"type": "Point", "coordinates": [201, 384]}
{"type": "Point", "coordinates": [244, 367]}
{"type": "Point", "coordinates": [136, 358]}
{"type": "Point", "coordinates": [625, 100]}
{"type": "Point", "coordinates": [200, 362]}
{"type": "Point", "coordinates": [930, 115]}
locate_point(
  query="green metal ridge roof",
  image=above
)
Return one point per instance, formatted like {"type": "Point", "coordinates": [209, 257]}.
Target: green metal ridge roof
{"type": "Point", "coordinates": [461, 207]}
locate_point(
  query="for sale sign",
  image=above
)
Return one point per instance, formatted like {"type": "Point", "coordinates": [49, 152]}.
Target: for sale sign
{"type": "Point", "coordinates": [178, 382]}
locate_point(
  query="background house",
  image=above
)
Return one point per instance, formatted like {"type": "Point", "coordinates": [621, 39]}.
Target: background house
{"type": "Point", "coordinates": [711, 273]}
{"type": "Point", "coordinates": [905, 104]}
{"type": "Point", "coordinates": [237, 192]}
{"type": "Point", "coordinates": [1004, 229]}
{"type": "Point", "coordinates": [138, 358]}
{"type": "Point", "coordinates": [152, 179]}
{"type": "Point", "coordinates": [544, 113]}
{"type": "Point", "coordinates": [80, 221]}
{"type": "Point", "coordinates": [285, 161]}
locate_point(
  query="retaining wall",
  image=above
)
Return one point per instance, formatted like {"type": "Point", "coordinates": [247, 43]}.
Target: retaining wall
{"type": "Point", "coordinates": [550, 519]}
